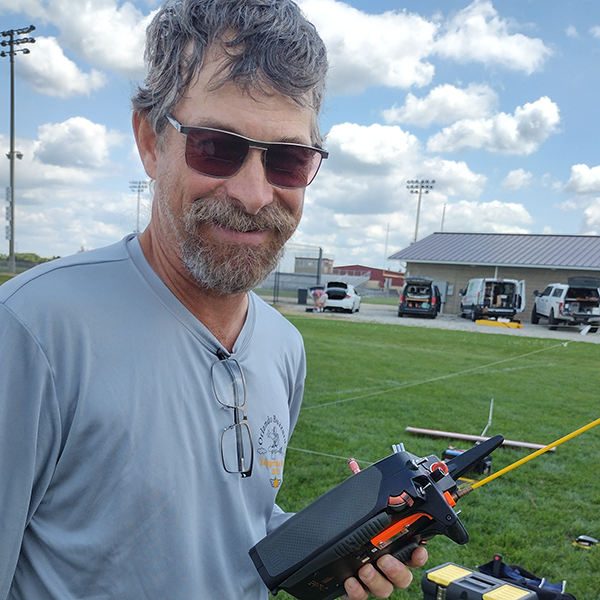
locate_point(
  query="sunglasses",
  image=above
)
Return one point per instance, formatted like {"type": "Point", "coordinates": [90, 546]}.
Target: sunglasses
{"type": "Point", "coordinates": [221, 154]}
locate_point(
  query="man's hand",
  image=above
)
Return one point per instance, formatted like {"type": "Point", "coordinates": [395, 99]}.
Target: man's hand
{"type": "Point", "coordinates": [397, 575]}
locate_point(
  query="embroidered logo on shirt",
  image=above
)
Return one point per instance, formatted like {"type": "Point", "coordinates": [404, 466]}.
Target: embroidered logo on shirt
{"type": "Point", "coordinates": [272, 443]}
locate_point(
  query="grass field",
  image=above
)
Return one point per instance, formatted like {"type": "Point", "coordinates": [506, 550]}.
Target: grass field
{"type": "Point", "coordinates": [367, 382]}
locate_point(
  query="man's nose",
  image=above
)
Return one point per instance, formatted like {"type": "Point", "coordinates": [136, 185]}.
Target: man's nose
{"type": "Point", "coordinates": [249, 185]}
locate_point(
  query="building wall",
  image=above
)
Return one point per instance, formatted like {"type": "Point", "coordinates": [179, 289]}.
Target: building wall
{"type": "Point", "coordinates": [457, 277]}
{"type": "Point", "coordinates": [311, 265]}
{"type": "Point", "coordinates": [378, 278]}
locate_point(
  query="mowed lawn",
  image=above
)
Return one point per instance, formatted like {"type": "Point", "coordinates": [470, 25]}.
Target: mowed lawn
{"type": "Point", "coordinates": [367, 382]}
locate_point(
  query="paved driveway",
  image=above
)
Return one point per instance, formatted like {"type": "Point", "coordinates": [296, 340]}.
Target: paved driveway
{"type": "Point", "coordinates": [376, 313]}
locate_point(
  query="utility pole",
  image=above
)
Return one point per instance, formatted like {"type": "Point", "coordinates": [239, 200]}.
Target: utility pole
{"type": "Point", "coordinates": [387, 237]}
{"type": "Point", "coordinates": [10, 192]}
{"type": "Point", "coordinates": [319, 266]}
{"type": "Point", "coordinates": [414, 186]}
{"type": "Point", "coordinates": [139, 187]}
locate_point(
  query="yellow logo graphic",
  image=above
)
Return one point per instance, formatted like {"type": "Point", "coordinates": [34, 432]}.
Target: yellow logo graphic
{"type": "Point", "coordinates": [272, 443]}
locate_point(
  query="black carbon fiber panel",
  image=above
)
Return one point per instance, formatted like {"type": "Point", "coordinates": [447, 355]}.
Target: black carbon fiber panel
{"type": "Point", "coordinates": [320, 522]}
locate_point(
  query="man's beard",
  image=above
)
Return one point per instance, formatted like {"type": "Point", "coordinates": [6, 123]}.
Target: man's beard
{"type": "Point", "coordinates": [231, 267]}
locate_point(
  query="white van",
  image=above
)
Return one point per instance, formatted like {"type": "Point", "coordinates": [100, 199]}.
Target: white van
{"type": "Point", "coordinates": [492, 298]}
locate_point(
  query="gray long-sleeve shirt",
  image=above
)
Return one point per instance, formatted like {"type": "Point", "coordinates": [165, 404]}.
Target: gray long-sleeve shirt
{"type": "Point", "coordinates": [111, 480]}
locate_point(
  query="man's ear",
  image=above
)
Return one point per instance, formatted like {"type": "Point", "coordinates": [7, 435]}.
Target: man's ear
{"type": "Point", "coordinates": [145, 139]}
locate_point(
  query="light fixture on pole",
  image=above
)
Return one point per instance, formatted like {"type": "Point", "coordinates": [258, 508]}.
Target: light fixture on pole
{"type": "Point", "coordinates": [10, 192]}
{"type": "Point", "coordinates": [415, 186]}
{"type": "Point", "coordinates": [139, 187]}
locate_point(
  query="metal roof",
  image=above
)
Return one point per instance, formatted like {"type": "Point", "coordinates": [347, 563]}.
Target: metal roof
{"type": "Point", "coordinates": [506, 249]}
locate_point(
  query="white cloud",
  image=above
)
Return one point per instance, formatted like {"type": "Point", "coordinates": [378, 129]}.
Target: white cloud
{"type": "Point", "coordinates": [584, 180]}
{"type": "Point", "coordinates": [76, 143]}
{"type": "Point", "coordinates": [376, 144]}
{"type": "Point", "coordinates": [444, 104]}
{"type": "Point", "coordinates": [521, 133]}
{"type": "Point", "coordinates": [362, 188]}
{"type": "Point", "coordinates": [454, 178]}
{"type": "Point", "coordinates": [568, 205]}
{"type": "Point", "coordinates": [591, 215]}
{"type": "Point", "coordinates": [103, 33]}
{"type": "Point", "coordinates": [387, 49]}
{"type": "Point", "coordinates": [59, 209]}
{"type": "Point", "coordinates": [393, 48]}
{"type": "Point", "coordinates": [32, 8]}
{"type": "Point", "coordinates": [51, 73]}
{"type": "Point", "coordinates": [517, 179]}
{"type": "Point", "coordinates": [349, 238]}
{"type": "Point", "coordinates": [494, 217]}
{"type": "Point", "coordinates": [595, 31]}
{"type": "Point", "coordinates": [571, 31]}
{"type": "Point", "coordinates": [73, 218]}
{"type": "Point", "coordinates": [66, 156]}
{"type": "Point", "coordinates": [478, 34]}
{"type": "Point", "coordinates": [367, 166]}
{"type": "Point", "coordinates": [35, 178]}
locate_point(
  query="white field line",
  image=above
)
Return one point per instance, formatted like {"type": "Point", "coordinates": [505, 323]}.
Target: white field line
{"type": "Point", "coordinates": [440, 378]}
{"type": "Point", "coordinates": [407, 385]}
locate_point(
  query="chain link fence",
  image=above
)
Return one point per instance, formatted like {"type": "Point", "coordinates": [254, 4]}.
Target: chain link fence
{"type": "Point", "coordinates": [300, 268]}
{"type": "Point", "coordinates": [303, 267]}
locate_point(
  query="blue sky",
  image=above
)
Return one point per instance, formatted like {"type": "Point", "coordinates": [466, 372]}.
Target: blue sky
{"type": "Point", "coordinates": [496, 101]}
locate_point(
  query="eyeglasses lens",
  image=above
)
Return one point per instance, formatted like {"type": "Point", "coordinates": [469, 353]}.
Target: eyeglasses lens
{"type": "Point", "coordinates": [229, 384]}
{"type": "Point", "coordinates": [215, 154]}
{"type": "Point", "coordinates": [291, 166]}
{"type": "Point", "coordinates": [236, 448]}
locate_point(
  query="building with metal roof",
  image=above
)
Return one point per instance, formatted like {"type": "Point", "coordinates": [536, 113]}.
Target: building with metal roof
{"type": "Point", "coordinates": [454, 258]}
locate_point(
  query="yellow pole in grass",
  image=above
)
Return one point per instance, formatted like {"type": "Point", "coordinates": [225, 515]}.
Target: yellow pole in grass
{"type": "Point", "coordinates": [534, 454]}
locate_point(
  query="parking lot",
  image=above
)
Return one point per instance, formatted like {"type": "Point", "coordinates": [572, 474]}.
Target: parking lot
{"type": "Point", "coordinates": [377, 313]}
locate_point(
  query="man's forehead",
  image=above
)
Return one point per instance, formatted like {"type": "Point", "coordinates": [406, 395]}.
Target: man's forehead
{"type": "Point", "coordinates": [261, 114]}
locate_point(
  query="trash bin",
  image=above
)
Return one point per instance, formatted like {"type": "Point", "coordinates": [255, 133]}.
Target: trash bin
{"type": "Point", "coordinates": [302, 295]}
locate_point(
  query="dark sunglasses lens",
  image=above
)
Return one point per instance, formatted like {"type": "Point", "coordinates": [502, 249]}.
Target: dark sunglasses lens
{"type": "Point", "coordinates": [291, 166]}
{"type": "Point", "coordinates": [214, 153]}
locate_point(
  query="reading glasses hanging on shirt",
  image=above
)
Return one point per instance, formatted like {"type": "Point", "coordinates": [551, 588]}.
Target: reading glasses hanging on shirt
{"type": "Point", "coordinates": [229, 386]}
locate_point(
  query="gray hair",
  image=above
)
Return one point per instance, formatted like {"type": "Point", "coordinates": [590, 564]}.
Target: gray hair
{"type": "Point", "coordinates": [269, 45]}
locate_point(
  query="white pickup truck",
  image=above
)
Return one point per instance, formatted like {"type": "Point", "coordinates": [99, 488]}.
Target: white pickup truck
{"type": "Point", "coordinates": [574, 303]}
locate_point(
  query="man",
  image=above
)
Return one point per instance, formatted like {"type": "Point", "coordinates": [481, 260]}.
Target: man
{"type": "Point", "coordinates": [141, 383]}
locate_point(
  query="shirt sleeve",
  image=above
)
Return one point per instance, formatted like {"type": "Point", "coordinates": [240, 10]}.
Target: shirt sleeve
{"type": "Point", "coordinates": [297, 392]}
{"type": "Point", "coordinates": [29, 437]}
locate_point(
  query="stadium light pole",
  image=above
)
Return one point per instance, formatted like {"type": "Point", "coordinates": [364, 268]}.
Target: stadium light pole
{"type": "Point", "coordinates": [12, 155]}
{"type": "Point", "coordinates": [415, 186]}
{"type": "Point", "coordinates": [139, 187]}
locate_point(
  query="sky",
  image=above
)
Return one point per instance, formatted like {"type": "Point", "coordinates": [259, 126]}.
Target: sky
{"type": "Point", "coordinates": [497, 102]}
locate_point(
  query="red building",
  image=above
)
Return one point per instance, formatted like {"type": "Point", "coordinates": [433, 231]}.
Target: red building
{"type": "Point", "coordinates": [377, 277]}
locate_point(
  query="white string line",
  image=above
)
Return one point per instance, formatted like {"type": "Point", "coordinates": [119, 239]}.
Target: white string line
{"type": "Point", "coordinates": [366, 462]}
{"type": "Point", "coordinates": [440, 378]}
{"type": "Point", "coordinates": [409, 385]}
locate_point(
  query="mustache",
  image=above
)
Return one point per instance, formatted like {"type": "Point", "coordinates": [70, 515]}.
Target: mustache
{"type": "Point", "coordinates": [227, 213]}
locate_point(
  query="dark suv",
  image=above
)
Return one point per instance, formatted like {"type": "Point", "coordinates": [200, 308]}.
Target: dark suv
{"type": "Point", "coordinates": [420, 296]}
